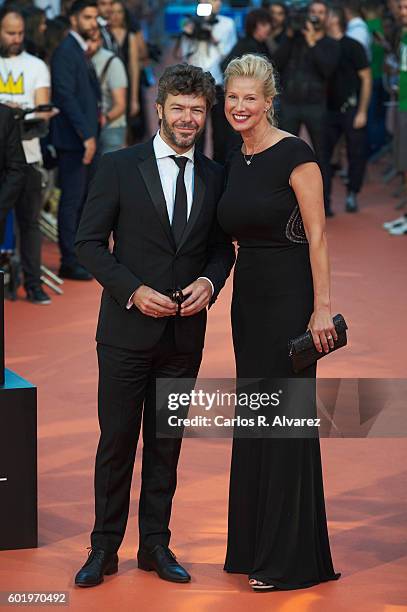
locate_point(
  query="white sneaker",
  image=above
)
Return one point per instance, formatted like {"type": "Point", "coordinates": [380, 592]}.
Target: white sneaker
{"type": "Point", "coordinates": [399, 230]}
{"type": "Point", "coordinates": [399, 221]}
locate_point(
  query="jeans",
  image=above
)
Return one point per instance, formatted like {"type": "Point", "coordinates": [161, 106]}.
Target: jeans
{"type": "Point", "coordinates": [112, 139]}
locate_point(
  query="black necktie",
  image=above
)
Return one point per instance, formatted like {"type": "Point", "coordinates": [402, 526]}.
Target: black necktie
{"type": "Point", "coordinates": [179, 218]}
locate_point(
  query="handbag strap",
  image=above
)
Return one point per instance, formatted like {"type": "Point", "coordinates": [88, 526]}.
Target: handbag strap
{"type": "Point", "coordinates": [103, 74]}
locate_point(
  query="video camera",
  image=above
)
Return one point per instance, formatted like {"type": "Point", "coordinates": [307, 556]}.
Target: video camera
{"type": "Point", "coordinates": [298, 17]}
{"type": "Point", "coordinates": [34, 127]}
{"type": "Point", "coordinates": [199, 26]}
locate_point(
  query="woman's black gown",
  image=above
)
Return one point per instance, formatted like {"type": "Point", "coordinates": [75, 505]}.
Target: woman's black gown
{"type": "Point", "coordinates": [277, 530]}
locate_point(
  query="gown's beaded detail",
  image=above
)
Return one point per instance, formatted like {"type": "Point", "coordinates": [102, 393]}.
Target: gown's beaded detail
{"type": "Point", "coordinates": [294, 230]}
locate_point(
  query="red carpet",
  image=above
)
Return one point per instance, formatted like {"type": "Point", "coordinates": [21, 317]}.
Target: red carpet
{"type": "Point", "coordinates": [365, 479]}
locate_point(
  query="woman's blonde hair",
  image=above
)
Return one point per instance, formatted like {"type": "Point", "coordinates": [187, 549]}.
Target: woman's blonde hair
{"type": "Point", "coordinates": [255, 67]}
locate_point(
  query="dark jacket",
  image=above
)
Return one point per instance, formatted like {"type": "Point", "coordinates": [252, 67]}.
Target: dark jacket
{"type": "Point", "coordinates": [248, 44]}
{"type": "Point", "coordinates": [13, 165]}
{"type": "Point", "coordinates": [304, 71]}
{"type": "Point", "coordinates": [76, 93]}
{"type": "Point", "coordinates": [126, 196]}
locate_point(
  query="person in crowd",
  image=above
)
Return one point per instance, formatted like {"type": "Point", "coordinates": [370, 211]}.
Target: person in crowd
{"type": "Point", "coordinates": [105, 11]}
{"type": "Point", "coordinates": [25, 83]}
{"type": "Point", "coordinates": [74, 131]}
{"type": "Point", "coordinates": [128, 51]}
{"type": "Point", "coordinates": [257, 28]}
{"type": "Point", "coordinates": [376, 124]}
{"type": "Point", "coordinates": [159, 198]}
{"type": "Point", "coordinates": [273, 206]}
{"type": "Point", "coordinates": [398, 227]}
{"type": "Point", "coordinates": [113, 82]}
{"type": "Point", "coordinates": [306, 59]}
{"type": "Point", "coordinates": [55, 33]}
{"type": "Point", "coordinates": [13, 166]}
{"type": "Point", "coordinates": [356, 27]}
{"type": "Point", "coordinates": [349, 91]}
{"type": "Point", "coordinates": [35, 29]}
{"type": "Point", "coordinates": [279, 14]}
{"type": "Point", "coordinates": [208, 54]}
{"type": "Point", "coordinates": [393, 6]}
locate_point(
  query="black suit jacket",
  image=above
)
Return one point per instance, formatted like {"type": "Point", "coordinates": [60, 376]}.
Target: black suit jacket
{"type": "Point", "coordinates": [76, 93]}
{"type": "Point", "coordinates": [12, 164]}
{"type": "Point", "coordinates": [126, 196]}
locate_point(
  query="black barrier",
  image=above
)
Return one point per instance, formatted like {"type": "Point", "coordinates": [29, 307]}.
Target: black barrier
{"type": "Point", "coordinates": [1, 327]}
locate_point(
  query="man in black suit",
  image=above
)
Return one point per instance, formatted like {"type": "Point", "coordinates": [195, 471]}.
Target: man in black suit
{"type": "Point", "coordinates": [13, 166]}
{"type": "Point", "coordinates": [74, 131]}
{"type": "Point", "coordinates": [160, 200]}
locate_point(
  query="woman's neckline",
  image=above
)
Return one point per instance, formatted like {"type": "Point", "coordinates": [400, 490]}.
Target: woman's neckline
{"type": "Point", "coordinates": [268, 148]}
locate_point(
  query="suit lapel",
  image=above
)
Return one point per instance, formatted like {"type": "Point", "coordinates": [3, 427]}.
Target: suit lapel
{"type": "Point", "coordinates": [198, 198]}
{"type": "Point", "coordinates": [149, 171]}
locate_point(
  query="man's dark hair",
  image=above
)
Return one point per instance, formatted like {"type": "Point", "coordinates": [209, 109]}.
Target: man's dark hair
{"type": "Point", "coordinates": [8, 10]}
{"type": "Point", "coordinates": [338, 11]}
{"type": "Point", "coordinates": [254, 18]}
{"type": "Point", "coordinates": [187, 80]}
{"type": "Point", "coordinates": [267, 4]}
{"type": "Point", "coordinates": [80, 5]}
{"type": "Point", "coordinates": [353, 6]}
{"type": "Point", "coordinates": [326, 5]}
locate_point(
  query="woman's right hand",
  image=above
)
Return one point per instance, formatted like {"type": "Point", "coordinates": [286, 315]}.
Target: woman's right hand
{"type": "Point", "coordinates": [323, 330]}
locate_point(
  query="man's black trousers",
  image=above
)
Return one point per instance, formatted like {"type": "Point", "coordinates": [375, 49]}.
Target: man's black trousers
{"type": "Point", "coordinates": [127, 392]}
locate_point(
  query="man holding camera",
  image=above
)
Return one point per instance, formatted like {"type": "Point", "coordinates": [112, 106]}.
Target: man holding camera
{"type": "Point", "coordinates": [306, 59]}
{"type": "Point", "coordinates": [25, 82]}
{"type": "Point", "coordinates": [206, 42]}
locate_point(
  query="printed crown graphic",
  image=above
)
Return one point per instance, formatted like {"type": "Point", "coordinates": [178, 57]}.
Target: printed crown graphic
{"type": "Point", "coordinates": [10, 86]}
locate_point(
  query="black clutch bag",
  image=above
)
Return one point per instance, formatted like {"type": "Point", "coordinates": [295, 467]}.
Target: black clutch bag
{"type": "Point", "coordinates": [302, 349]}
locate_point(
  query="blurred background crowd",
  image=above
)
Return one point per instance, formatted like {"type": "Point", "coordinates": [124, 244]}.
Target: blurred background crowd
{"type": "Point", "coordinates": [77, 80]}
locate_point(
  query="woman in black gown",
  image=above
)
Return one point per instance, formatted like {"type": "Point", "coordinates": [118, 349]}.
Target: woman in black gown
{"type": "Point", "coordinates": [273, 206]}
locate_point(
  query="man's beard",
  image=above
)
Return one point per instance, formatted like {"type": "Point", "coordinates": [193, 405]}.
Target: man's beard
{"type": "Point", "coordinates": [186, 141]}
{"type": "Point", "coordinates": [86, 34]}
{"type": "Point", "coordinates": [11, 50]}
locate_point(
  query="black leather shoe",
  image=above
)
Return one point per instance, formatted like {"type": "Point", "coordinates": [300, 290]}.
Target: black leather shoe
{"type": "Point", "coordinates": [163, 561]}
{"type": "Point", "coordinates": [76, 272]}
{"type": "Point", "coordinates": [100, 563]}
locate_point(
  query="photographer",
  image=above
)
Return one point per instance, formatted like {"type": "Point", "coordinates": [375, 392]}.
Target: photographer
{"type": "Point", "coordinates": [205, 42]}
{"type": "Point", "coordinates": [25, 83]}
{"type": "Point", "coordinates": [306, 59]}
